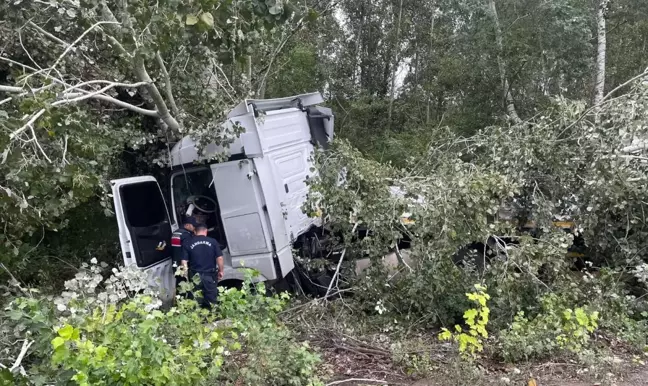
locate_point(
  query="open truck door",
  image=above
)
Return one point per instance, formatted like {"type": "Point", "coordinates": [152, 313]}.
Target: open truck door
{"type": "Point", "coordinates": [145, 229]}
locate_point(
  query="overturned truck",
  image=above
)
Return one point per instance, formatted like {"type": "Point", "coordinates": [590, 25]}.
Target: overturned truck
{"type": "Point", "coordinates": [251, 202]}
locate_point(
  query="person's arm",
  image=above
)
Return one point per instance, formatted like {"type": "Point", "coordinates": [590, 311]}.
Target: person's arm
{"type": "Point", "coordinates": [185, 260]}
{"type": "Point", "coordinates": [221, 267]}
{"type": "Point", "coordinates": [220, 262]}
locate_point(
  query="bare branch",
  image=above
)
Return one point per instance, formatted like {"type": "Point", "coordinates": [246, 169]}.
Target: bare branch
{"type": "Point", "coordinates": [35, 139]}
{"type": "Point", "coordinates": [101, 81]}
{"type": "Point", "coordinates": [23, 351]}
{"type": "Point", "coordinates": [25, 48]}
{"type": "Point", "coordinates": [26, 67]}
{"type": "Point", "coordinates": [299, 25]}
{"type": "Point", "coordinates": [47, 34]}
{"type": "Point", "coordinates": [337, 269]}
{"type": "Point", "coordinates": [58, 60]}
{"type": "Point", "coordinates": [106, 98]}
{"type": "Point", "coordinates": [67, 99]}
{"type": "Point", "coordinates": [65, 146]}
{"type": "Point", "coordinates": [354, 380]}
{"type": "Point", "coordinates": [167, 84]}
{"type": "Point", "coordinates": [11, 89]}
{"type": "Point", "coordinates": [223, 73]}
{"type": "Point", "coordinates": [78, 97]}
{"type": "Point", "coordinates": [28, 124]}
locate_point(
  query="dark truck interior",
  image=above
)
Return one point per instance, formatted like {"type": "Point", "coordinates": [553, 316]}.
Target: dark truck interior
{"type": "Point", "coordinates": [197, 186]}
{"type": "Point", "coordinates": [147, 219]}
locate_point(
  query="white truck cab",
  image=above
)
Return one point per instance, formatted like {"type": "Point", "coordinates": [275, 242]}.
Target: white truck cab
{"type": "Point", "coordinates": [251, 203]}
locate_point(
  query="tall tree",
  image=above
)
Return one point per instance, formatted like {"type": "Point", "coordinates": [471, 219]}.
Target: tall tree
{"type": "Point", "coordinates": [395, 64]}
{"type": "Point", "coordinates": [501, 63]}
{"type": "Point", "coordinates": [601, 49]}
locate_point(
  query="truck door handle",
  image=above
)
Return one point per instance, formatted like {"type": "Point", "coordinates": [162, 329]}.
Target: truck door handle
{"type": "Point", "coordinates": [286, 187]}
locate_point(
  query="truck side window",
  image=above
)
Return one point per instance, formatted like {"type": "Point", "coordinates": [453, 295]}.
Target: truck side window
{"type": "Point", "coordinates": [143, 205]}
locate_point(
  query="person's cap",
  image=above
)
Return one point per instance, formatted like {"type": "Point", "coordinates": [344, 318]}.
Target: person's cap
{"type": "Point", "coordinates": [191, 220]}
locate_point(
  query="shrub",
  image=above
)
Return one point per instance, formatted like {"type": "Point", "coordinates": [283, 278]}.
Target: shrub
{"type": "Point", "coordinates": [113, 332]}
{"type": "Point", "coordinates": [270, 354]}
{"type": "Point", "coordinates": [470, 342]}
{"type": "Point", "coordinates": [556, 329]}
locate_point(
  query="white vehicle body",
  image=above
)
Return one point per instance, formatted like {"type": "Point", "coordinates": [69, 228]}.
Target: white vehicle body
{"type": "Point", "coordinates": [259, 192]}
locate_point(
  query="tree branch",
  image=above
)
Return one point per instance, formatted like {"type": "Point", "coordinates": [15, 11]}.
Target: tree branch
{"type": "Point", "coordinates": [106, 98]}
{"type": "Point", "coordinates": [142, 74]}
{"type": "Point", "coordinates": [26, 345]}
{"type": "Point", "coordinates": [276, 53]}
{"type": "Point", "coordinates": [28, 124]}
{"type": "Point", "coordinates": [68, 98]}
{"type": "Point", "coordinates": [11, 89]}
{"type": "Point", "coordinates": [58, 60]}
{"type": "Point", "coordinates": [167, 83]}
{"type": "Point", "coordinates": [357, 380]}
{"type": "Point", "coordinates": [47, 34]}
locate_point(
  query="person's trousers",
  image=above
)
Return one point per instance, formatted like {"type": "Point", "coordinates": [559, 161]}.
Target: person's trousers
{"type": "Point", "coordinates": [208, 286]}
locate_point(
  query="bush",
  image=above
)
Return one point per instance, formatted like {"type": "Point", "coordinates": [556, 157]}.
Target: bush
{"type": "Point", "coordinates": [555, 330]}
{"type": "Point", "coordinates": [270, 354]}
{"type": "Point", "coordinates": [113, 332]}
{"type": "Point", "coordinates": [471, 342]}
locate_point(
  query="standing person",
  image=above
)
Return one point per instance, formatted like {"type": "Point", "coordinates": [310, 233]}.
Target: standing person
{"type": "Point", "coordinates": [203, 257]}
{"type": "Point", "coordinates": [179, 238]}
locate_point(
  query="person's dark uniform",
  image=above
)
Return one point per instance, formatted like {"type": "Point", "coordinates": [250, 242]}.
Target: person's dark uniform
{"type": "Point", "coordinates": [201, 253]}
{"type": "Point", "coordinates": [178, 239]}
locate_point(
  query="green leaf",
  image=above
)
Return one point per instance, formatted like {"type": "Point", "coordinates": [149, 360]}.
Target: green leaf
{"type": "Point", "coordinates": [275, 10]}
{"type": "Point", "coordinates": [66, 332]}
{"type": "Point", "coordinates": [207, 19]}
{"type": "Point", "coordinates": [191, 20]}
{"type": "Point", "coordinates": [312, 15]}
{"type": "Point", "coordinates": [57, 342]}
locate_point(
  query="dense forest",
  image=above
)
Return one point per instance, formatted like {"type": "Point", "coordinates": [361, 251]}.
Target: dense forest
{"type": "Point", "coordinates": [465, 106]}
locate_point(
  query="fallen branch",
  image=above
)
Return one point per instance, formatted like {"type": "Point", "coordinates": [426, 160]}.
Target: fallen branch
{"type": "Point", "coordinates": [337, 269]}
{"type": "Point", "coordinates": [47, 34]}
{"type": "Point", "coordinates": [106, 98]}
{"type": "Point", "coordinates": [163, 110]}
{"type": "Point", "coordinates": [357, 380]}
{"type": "Point", "coordinates": [10, 89]}
{"type": "Point", "coordinates": [78, 97]}
{"type": "Point", "coordinates": [68, 48]}
{"type": "Point", "coordinates": [26, 345]}
{"type": "Point", "coordinates": [167, 84]}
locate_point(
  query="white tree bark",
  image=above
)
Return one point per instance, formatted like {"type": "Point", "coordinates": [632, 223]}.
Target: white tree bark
{"type": "Point", "coordinates": [431, 41]}
{"type": "Point", "coordinates": [395, 65]}
{"type": "Point", "coordinates": [501, 63]}
{"type": "Point", "coordinates": [599, 82]}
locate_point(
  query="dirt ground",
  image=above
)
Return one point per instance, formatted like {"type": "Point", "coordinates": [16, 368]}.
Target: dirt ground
{"type": "Point", "coordinates": [636, 377]}
{"type": "Point", "coordinates": [358, 367]}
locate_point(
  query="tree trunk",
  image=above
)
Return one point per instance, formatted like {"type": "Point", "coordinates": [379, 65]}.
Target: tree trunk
{"type": "Point", "coordinates": [395, 65]}
{"type": "Point", "coordinates": [357, 67]}
{"type": "Point", "coordinates": [599, 83]}
{"type": "Point", "coordinates": [501, 63]}
{"type": "Point", "coordinates": [430, 43]}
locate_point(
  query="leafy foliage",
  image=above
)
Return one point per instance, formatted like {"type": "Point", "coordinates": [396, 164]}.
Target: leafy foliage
{"type": "Point", "coordinates": [86, 81]}
{"type": "Point", "coordinates": [79, 336]}
{"type": "Point", "coordinates": [556, 328]}
{"type": "Point", "coordinates": [476, 319]}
